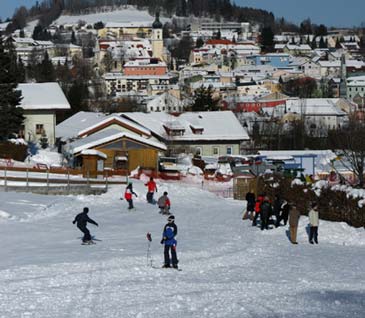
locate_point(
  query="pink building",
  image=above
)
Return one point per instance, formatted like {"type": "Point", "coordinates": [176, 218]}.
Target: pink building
{"type": "Point", "coordinates": [151, 66]}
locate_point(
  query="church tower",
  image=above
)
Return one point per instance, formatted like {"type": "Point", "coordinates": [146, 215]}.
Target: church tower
{"type": "Point", "coordinates": [157, 40]}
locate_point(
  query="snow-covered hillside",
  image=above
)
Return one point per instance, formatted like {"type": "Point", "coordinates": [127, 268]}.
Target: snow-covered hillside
{"type": "Point", "coordinates": [129, 14]}
{"type": "Point", "coordinates": [230, 269]}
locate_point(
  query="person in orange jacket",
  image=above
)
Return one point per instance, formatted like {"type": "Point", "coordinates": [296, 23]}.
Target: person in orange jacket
{"type": "Point", "coordinates": [152, 188]}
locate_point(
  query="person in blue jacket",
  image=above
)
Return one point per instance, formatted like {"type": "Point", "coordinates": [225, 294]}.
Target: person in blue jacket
{"type": "Point", "coordinates": [168, 238]}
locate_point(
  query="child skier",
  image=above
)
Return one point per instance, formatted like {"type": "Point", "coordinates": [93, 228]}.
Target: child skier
{"type": "Point", "coordinates": [82, 219]}
{"type": "Point", "coordinates": [168, 238]}
{"type": "Point", "coordinates": [128, 195]}
{"type": "Point", "coordinates": [152, 188]}
{"type": "Point", "coordinates": [164, 204]}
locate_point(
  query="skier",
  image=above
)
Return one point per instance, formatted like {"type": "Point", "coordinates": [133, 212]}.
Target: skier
{"type": "Point", "coordinates": [250, 198]}
{"type": "Point", "coordinates": [128, 195]}
{"type": "Point", "coordinates": [164, 203]}
{"type": "Point", "coordinates": [82, 219]}
{"type": "Point", "coordinates": [168, 238]}
{"type": "Point", "coordinates": [313, 223]}
{"type": "Point", "coordinates": [152, 188]}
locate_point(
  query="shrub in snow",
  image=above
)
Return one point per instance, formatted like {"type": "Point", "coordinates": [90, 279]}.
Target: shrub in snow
{"type": "Point", "coordinates": [14, 151]}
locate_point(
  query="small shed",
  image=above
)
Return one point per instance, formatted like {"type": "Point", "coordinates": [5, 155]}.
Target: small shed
{"type": "Point", "coordinates": [92, 162]}
{"type": "Point", "coordinates": [243, 184]}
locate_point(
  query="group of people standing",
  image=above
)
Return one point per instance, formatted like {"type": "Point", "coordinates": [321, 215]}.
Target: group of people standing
{"type": "Point", "coordinates": [262, 208]}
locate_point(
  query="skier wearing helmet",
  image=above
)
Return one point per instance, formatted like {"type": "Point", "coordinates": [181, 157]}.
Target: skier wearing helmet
{"type": "Point", "coordinates": [168, 238]}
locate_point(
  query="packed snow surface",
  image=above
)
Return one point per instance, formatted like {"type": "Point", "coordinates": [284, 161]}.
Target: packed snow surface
{"type": "Point", "coordinates": [230, 269]}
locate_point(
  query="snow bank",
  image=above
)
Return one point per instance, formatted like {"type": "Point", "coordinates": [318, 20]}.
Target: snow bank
{"type": "Point", "coordinates": [49, 158]}
{"type": "Point", "coordinates": [4, 215]}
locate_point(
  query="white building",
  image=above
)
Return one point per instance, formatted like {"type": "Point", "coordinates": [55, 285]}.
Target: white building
{"type": "Point", "coordinates": [355, 86]}
{"type": "Point", "coordinates": [40, 102]}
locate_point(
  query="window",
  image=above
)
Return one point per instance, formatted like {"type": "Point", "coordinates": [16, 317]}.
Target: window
{"type": "Point", "coordinates": [216, 151]}
{"type": "Point", "coordinates": [229, 150]}
{"type": "Point", "coordinates": [39, 129]}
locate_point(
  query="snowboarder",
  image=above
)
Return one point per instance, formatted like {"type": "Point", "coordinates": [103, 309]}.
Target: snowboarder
{"type": "Point", "coordinates": [313, 223]}
{"type": "Point", "coordinates": [250, 198]}
{"type": "Point", "coordinates": [168, 238]}
{"type": "Point", "coordinates": [128, 195]}
{"type": "Point", "coordinates": [294, 216]}
{"type": "Point", "coordinates": [152, 188]}
{"type": "Point", "coordinates": [82, 219]}
{"type": "Point", "coordinates": [164, 203]}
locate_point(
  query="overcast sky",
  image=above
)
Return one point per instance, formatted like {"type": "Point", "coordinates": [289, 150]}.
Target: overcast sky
{"type": "Point", "coordinates": [329, 12]}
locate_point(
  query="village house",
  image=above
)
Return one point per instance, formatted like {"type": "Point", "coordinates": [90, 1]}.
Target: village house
{"type": "Point", "coordinates": [123, 143]}
{"type": "Point", "coordinates": [201, 133]}
{"type": "Point", "coordinates": [41, 103]}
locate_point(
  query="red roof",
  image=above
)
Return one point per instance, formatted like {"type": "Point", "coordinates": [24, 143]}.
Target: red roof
{"type": "Point", "coordinates": [215, 42]}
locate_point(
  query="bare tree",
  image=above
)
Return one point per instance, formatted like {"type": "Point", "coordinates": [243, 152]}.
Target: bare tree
{"type": "Point", "coordinates": [348, 143]}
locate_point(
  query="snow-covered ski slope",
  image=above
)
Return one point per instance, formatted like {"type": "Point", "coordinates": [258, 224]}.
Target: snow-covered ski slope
{"type": "Point", "coordinates": [230, 269]}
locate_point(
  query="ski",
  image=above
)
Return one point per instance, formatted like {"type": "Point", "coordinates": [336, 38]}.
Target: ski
{"type": "Point", "coordinates": [88, 243]}
{"type": "Point", "coordinates": [176, 269]}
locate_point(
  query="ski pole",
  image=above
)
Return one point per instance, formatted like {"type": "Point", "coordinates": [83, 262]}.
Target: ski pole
{"type": "Point", "coordinates": [149, 256]}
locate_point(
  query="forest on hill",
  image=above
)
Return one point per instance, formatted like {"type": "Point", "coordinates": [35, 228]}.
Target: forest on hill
{"type": "Point", "coordinates": [49, 10]}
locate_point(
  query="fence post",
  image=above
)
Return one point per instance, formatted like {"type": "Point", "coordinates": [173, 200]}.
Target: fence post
{"type": "Point", "coordinates": [88, 178]}
{"type": "Point", "coordinates": [47, 181]}
{"type": "Point", "coordinates": [68, 180]}
{"type": "Point", "coordinates": [106, 182]}
{"type": "Point", "coordinates": [5, 181]}
{"type": "Point", "coordinates": [27, 184]}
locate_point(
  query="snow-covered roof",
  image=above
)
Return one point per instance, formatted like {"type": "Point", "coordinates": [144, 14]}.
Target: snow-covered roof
{"type": "Point", "coordinates": [37, 96]}
{"type": "Point", "coordinates": [220, 125]}
{"type": "Point", "coordinates": [70, 127]}
{"type": "Point", "coordinates": [115, 119]}
{"type": "Point", "coordinates": [110, 135]}
{"type": "Point", "coordinates": [94, 153]}
{"type": "Point", "coordinates": [315, 106]}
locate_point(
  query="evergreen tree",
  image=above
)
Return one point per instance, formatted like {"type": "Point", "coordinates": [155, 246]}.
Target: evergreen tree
{"type": "Point", "coordinates": [73, 37]}
{"type": "Point", "coordinates": [199, 42]}
{"type": "Point", "coordinates": [204, 100]}
{"type": "Point", "coordinates": [338, 44]}
{"type": "Point", "coordinates": [46, 72]}
{"type": "Point", "coordinates": [76, 95]}
{"type": "Point", "coordinates": [43, 140]}
{"type": "Point", "coordinates": [267, 39]}
{"type": "Point", "coordinates": [322, 43]}
{"type": "Point", "coordinates": [11, 116]}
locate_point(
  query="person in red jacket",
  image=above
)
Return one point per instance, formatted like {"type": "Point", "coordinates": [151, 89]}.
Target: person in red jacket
{"type": "Point", "coordinates": [128, 195]}
{"type": "Point", "coordinates": [152, 188]}
{"type": "Point", "coordinates": [258, 203]}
